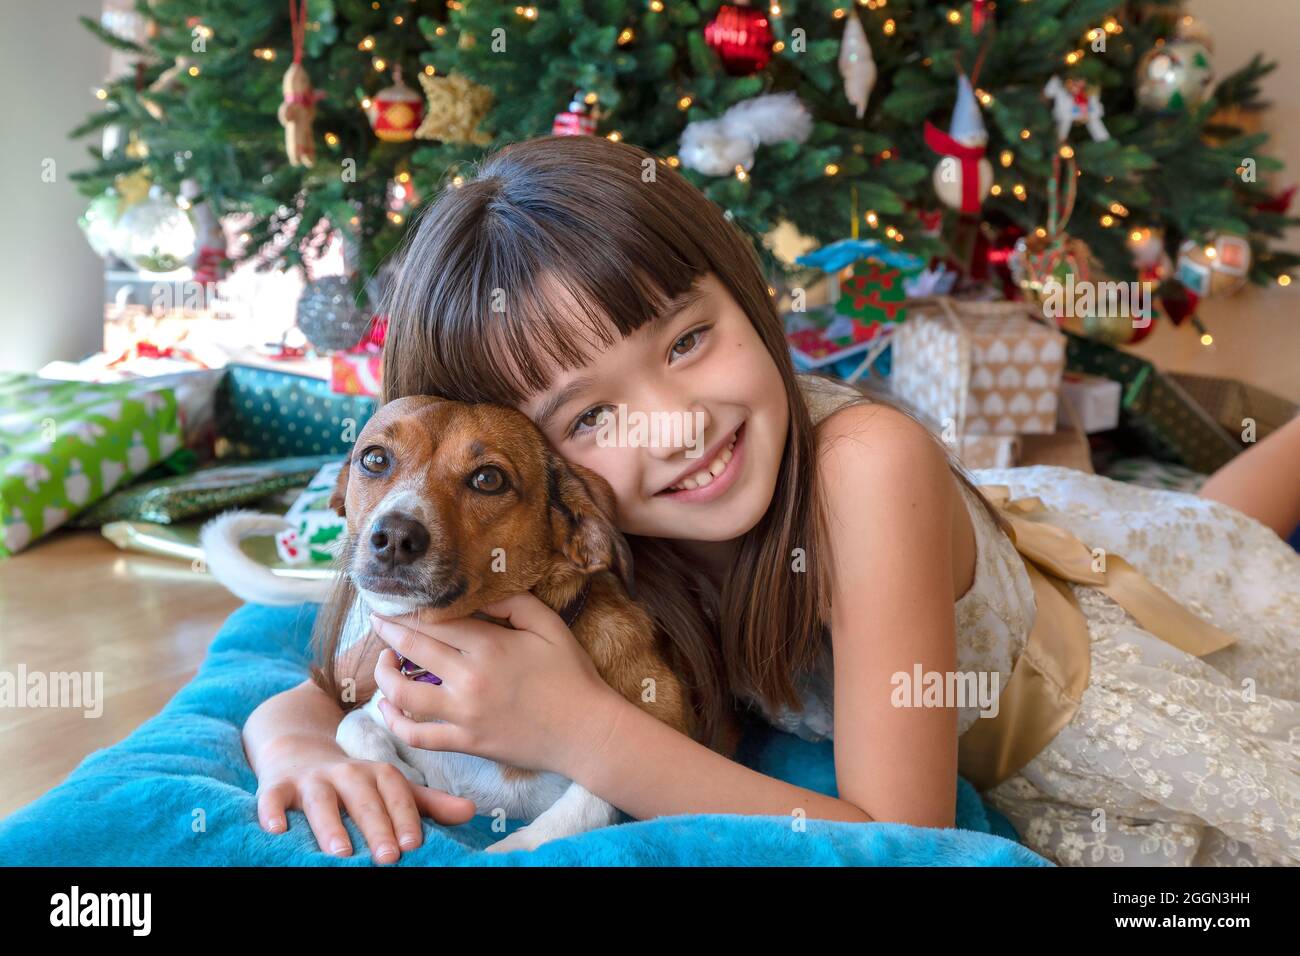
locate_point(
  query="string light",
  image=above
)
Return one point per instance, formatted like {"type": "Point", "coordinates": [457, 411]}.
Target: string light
{"type": "Point", "coordinates": [429, 71]}
{"type": "Point", "coordinates": [1073, 57]}
{"type": "Point", "coordinates": [332, 139]}
{"type": "Point", "coordinates": [380, 64]}
{"type": "Point", "coordinates": [740, 173]}
{"type": "Point", "coordinates": [1024, 134]}
{"type": "Point", "coordinates": [775, 9]}
{"type": "Point", "coordinates": [1207, 339]}
{"type": "Point", "coordinates": [1210, 252]}
{"type": "Point", "coordinates": [1112, 26]}
{"type": "Point", "coordinates": [673, 161]}
{"type": "Point", "coordinates": [365, 102]}
{"type": "Point", "coordinates": [1108, 220]}
{"type": "Point", "coordinates": [996, 190]}
{"type": "Point", "coordinates": [1006, 158]}
{"type": "Point", "coordinates": [684, 103]}
{"type": "Point", "coordinates": [193, 71]}
{"type": "Point", "coordinates": [984, 97]}
{"type": "Point", "coordinates": [626, 37]}
{"type": "Point", "coordinates": [398, 21]}
{"type": "Point", "coordinates": [1040, 232]}
{"type": "Point", "coordinates": [403, 177]}
{"type": "Point", "coordinates": [1067, 151]}
{"type": "Point", "coordinates": [887, 154]}
{"type": "Point", "coordinates": [891, 232]}
{"type": "Point", "coordinates": [615, 137]}
{"type": "Point", "coordinates": [1118, 209]}
{"type": "Point", "coordinates": [778, 46]}
{"type": "Point", "coordinates": [528, 13]}
{"type": "Point", "coordinates": [457, 181]}
{"type": "Point", "coordinates": [1137, 235]}
{"type": "Point", "coordinates": [898, 237]}
{"type": "Point", "coordinates": [441, 31]}
{"type": "Point", "coordinates": [1019, 190]}
{"type": "Point", "coordinates": [872, 219]}
{"type": "Point", "coordinates": [954, 16]}
{"type": "Point", "coordinates": [590, 99]}
{"type": "Point", "coordinates": [1284, 280]}
{"type": "Point", "coordinates": [889, 27]}
{"type": "Point", "coordinates": [831, 169]}
{"type": "Point", "coordinates": [396, 217]}
{"type": "Point", "coordinates": [366, 44]}
{"type": "Point", "coordinates": [101, 94]}
{"type": "Point", "coordinates": [657, 6]}
{"type": "Point", "coordinates": [838, 13]}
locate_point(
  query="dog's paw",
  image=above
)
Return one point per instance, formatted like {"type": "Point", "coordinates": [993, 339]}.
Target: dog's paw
{"type": "Point", "coordinates": [521, 839]}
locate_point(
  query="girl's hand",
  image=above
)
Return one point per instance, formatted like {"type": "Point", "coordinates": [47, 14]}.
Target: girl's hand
{"type": "Point", "coordinates": [315, 776]}
{"type": "Point", "coordinates": [526, 697]}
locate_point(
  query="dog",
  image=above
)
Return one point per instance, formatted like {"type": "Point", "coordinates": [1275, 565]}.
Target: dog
{"type": "Point", "coordinates": [451, 507]}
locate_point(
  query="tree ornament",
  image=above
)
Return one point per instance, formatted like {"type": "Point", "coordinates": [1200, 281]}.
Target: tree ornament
{"type": "Point", "coordinates": [1147, 246]}
{"type": "Point", "coordinates": [1047, 260]}
{"type": "Point", "coordinates": [1074, 101]}
{"type": "Point", "coordinates": [298, 110]}
{"type": "Point", "coordinates": [857, 66]}
{"type": "Point", "coordinates": [1174, 76]}
{"type": "Point", "coordinates": [1178, 301]}
{"type": "Point", "coordinates": [579, 120]}
{"type": "Point", "coordinates": [1116, 329]}
{"type": "Point", "coordinates": [742, 38]}
{"type": "Point", "coordinates": [963, 178]}
{"type": "Point", "coordinates": [1216, 267]}
{"type": "Point", "coordinates": [395, 111]}
{"type": "Point", "coordinates": [155, 235]}
{"type": "Point", "coordinates": [99, 222]}
{"type": "Point", "coordinates": [328, 314]}
{"type": "Point", "coordinates": [717, 147]}
{"type": "Point", "coordinates": [456, 107]}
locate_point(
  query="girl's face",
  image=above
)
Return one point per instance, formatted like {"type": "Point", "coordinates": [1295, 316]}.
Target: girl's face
{"type": "Point", "coordinates": [697, 392]}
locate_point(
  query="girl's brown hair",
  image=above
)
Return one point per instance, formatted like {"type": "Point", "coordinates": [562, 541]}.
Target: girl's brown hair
{"type": "Point", "coordinates": [621, 233]}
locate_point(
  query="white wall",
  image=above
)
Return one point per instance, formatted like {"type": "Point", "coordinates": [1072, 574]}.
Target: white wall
{"type": "Point", "coordinates": [51, 282]}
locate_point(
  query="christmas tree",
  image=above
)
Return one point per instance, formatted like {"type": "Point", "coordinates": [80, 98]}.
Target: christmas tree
{"type": "Point", "coordinates": [946, 129]}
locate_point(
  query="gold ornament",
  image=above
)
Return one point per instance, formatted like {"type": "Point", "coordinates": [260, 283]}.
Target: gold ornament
{"type": "Point", "coordinates": [456, 106]}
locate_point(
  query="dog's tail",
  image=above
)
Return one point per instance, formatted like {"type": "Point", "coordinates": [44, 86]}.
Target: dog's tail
{"type": "Point", "coordinates": [243, 576]}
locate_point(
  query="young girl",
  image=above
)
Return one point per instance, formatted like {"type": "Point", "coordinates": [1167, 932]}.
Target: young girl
{"type": "Point", "coordinates": [820, 547]}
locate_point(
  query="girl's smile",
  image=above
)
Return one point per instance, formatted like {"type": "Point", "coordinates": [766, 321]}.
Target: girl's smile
{"type": "Point", "coordinates": [714, 476]}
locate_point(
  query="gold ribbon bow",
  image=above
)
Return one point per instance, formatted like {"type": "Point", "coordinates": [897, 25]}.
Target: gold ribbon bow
{"type": "Point", "coordinates": [1048, 679]}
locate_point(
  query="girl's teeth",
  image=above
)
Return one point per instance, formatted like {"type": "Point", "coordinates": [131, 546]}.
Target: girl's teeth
{"type": "Point", "coordinates": [703, 478]}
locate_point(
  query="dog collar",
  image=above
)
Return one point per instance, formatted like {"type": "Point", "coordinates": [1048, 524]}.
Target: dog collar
{"type": "Point", "coordinates": [569, 613]}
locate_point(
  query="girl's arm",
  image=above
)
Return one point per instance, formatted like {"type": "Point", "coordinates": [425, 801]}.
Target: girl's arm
{"type": "Point", "coordinates": [290, 744]}
{"type": "Point", "coordinates": [890, 498]}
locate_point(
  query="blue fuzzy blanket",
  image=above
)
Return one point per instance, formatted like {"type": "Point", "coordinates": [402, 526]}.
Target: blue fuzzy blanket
{"type": "Point", "coordinates": [179, 791]}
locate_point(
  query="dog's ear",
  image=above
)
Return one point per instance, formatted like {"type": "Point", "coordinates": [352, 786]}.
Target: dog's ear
{"type": "Point", "coordinates": [339, 496]}
{"type": "Point", "coordinates": [582, 515]}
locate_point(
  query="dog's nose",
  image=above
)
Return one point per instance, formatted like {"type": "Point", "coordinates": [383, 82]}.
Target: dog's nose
{"type": "Point", "coordinates": [398, 539]}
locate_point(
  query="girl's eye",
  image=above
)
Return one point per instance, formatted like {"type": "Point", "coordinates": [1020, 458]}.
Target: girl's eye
{"type": "Point", "coordinates": [689, 342]}
{"type": "Point", "coordinates": [588, 420]}
{"type": "Point", "coordinates": [375, 460]}
{"type": "Point", "coordinates": [490, 480]}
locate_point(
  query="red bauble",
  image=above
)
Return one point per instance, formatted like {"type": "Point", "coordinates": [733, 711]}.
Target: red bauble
{"type": "Point", "coordinates": [396, 111]}
{"type": "Point", "coordinates": [742, 38]}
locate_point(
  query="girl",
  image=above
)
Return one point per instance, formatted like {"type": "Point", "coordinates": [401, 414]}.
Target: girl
{"type": "Point", "coordinates": [821, 546]}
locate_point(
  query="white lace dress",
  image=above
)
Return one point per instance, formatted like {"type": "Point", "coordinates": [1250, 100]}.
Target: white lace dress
{"type": "Point", "coordinates": [1171, 759]}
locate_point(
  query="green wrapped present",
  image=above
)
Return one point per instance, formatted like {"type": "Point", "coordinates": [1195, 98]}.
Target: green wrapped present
{"type": "Point", "coordinates": [66, 445]}
{"type": "Point", "coordinates": [203, 491]}
{"type": "Point", "coordinates": [1169, 422]}
{"type": "Point", "coordinates": [263, 413]}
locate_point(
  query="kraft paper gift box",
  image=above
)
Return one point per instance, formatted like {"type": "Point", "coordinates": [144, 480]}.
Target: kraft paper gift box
{"type": "Point", "coordinates": [981, 368]}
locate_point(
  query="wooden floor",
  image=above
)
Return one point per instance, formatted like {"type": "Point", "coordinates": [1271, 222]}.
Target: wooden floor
{"type": "Point", "coordinates": [75, 602]}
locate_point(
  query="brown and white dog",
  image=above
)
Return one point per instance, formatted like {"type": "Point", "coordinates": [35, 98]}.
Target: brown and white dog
{"type": "Point", "coordinates": [451, 507]}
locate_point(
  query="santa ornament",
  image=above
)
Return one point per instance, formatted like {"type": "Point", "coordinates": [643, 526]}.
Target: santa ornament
{"type": "Point", "coordinates": [1075, 102]}
{"type": "Point", "coordinates": [298, 110]}
{"type": "Point", "coordinates": [963, 178]}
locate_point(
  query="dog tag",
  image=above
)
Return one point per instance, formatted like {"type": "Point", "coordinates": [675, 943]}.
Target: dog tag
{"type": "Point", "coordinates": [415, 672]}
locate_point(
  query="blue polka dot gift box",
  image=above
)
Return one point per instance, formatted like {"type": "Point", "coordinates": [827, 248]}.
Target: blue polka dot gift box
{"type": "Point", "coordinates": [262, 413]}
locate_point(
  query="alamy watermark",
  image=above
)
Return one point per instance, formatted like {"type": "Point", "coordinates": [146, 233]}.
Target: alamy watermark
{"type": "Point", "coordinates": [1097, 299]}
{"type": "Point", "coordinates": [631, 429]}
{"type": "Point", "coordinates": [922, 688]}
{"type": "Point", "coordinates": [56, 689]}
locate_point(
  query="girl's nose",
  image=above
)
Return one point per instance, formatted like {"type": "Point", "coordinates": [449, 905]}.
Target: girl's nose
{"type": "Point", "coordinates": [685, 431]}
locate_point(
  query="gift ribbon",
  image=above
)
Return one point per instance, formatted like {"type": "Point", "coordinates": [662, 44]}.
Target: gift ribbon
{"type": "Point", "coordinates": [1048, 679]}
{"type": "Point", "coordinates": [969, 156]}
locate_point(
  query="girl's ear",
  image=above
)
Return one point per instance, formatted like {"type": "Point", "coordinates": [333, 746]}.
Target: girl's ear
{"type": "Point", "coordinates": [339, 496]}
{"type": "Point", "coordinates": [582, 517]}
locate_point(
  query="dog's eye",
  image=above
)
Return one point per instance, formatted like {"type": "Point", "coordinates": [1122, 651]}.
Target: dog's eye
{"type": "Point", "coordinates": [374, 460]}
{"type": "Point", "coordinates": [489, 479]}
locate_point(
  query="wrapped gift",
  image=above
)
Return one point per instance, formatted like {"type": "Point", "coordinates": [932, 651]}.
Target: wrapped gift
{"type": "Point", "coordinates": [1092, 398]}
{"type": "Point", "coordinates": [268, 414]}
{"type": "Point", "coordinates": [317, 528]}
{"type": "Point", "coordinates": [1169, 423]}
{"type": "Point", "coordinates": [65, 445]}
{"type": "Point", "coordinates": [990, 451]}
{"type": "Point", "coordinates": [356, 373]}
{"type": "Point", "coordinates": [1235, 405]}
{"type": "Point", "coordinates": [979, 368]}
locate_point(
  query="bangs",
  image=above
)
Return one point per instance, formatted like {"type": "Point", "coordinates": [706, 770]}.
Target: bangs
{"type": "Point", "coordinates": [546, 302]}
